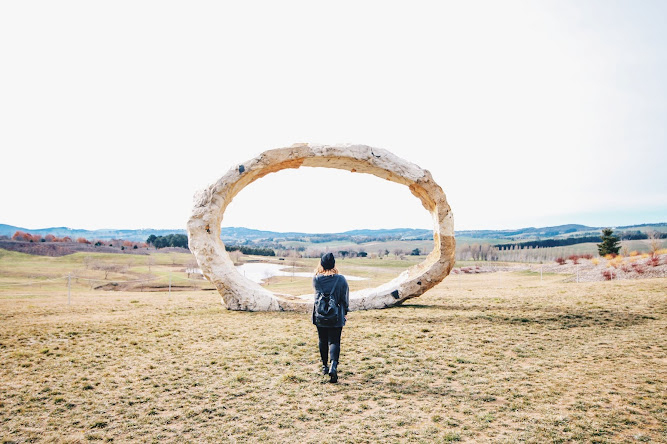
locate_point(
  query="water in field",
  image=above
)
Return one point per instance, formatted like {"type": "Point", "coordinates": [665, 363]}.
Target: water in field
{"type": "Point", "coordinates": [260, 271]}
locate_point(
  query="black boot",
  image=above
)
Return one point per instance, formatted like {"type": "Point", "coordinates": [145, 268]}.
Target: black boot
{"type": "Point", "coordinates": [325, 369]}
{"type": "Point", "coordinates": [333, 372]}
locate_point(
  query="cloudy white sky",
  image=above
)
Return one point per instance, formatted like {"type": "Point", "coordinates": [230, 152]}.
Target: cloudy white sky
{"type": "Point", "coordinates": [527, 113]}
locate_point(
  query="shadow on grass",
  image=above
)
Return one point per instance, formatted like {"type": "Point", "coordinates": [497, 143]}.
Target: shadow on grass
{"type": "Point", "coordinates": [551, 317]}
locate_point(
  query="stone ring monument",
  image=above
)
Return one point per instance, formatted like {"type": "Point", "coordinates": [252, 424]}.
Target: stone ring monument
{"type": "Point", "coordinates": [239, 293]}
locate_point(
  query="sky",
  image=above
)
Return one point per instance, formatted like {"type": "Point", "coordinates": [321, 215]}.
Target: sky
{"type": "Point", "coordinates": [527, 113]}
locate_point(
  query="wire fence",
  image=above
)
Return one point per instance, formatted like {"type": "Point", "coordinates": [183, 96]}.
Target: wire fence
{"type": "Point", "coordinates": [497, 276]}
{"type": "Point", "coordinates": [70, 277]}
{"type": "Point", "coordinates": [80, 278]}
{"type": "Point", "coordinates": [12, 284]}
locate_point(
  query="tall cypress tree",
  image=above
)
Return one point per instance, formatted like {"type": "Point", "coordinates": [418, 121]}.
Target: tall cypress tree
{"type": "Point", "coordinates": [609, 244]}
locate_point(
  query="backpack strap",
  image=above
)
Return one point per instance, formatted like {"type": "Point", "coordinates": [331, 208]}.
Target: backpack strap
{"type": "Point", "coordinates": [334, 287]}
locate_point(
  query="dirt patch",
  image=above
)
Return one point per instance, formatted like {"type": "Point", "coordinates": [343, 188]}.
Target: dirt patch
{"type": "Point", "coordinates": [125, 286]}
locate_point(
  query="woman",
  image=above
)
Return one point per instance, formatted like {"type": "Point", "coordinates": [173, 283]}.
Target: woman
{"type": "Point", "coordinates": [332, 299]}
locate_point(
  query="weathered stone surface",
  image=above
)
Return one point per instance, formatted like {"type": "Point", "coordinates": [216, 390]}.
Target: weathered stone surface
{"type": "Point", "coordinates": [239, 293]}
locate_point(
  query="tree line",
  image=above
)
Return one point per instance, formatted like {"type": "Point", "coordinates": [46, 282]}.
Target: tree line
{"type": "Point", "coordinates": [170, 240]}
{"type": "Point", "coordinates": [550, 242]}
{"type": "Point", "coordinates": [27, 237]}
{"type": "Point", "coordinates": [257, 251]}
{"type": "Point", "coordinates": [50, 238]}
{"type": "Point", "coordinates": [626, 235]}
{"type": "Point", "coordinates": [356, 238]}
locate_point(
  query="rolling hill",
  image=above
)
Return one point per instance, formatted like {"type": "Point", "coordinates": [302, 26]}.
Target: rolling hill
{"type": "Point", "coordinates": [242, 234]}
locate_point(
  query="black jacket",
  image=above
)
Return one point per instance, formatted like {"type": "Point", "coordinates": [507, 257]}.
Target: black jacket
{"type": "Point", "coordinates": [324, 284]}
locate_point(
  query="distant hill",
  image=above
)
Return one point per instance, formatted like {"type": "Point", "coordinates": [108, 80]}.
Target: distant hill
{"type": "Point", "coordinates": [530, 232]}
{"type": "Point", "coordinates": [241, 234]}
{"type": "Point", "coordinates": [228, 234]}
{"type": "Point", "coordinates": [139, 235]}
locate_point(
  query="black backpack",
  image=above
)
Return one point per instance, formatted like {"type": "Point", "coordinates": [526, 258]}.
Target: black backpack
{"type": "Point", "coordinates": [327, 309]}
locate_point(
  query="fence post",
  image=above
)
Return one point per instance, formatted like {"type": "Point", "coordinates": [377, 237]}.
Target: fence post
{"type": "Point", "coordinates": [169, 284]}
{"type": "Point", "coordinates": [69, 288]}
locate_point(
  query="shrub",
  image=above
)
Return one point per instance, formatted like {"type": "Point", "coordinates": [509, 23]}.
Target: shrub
{"type": "Point", "coordinates": [595, 261]}
{"type": "Point", "coordinates": [20, 235]}
{"type": "Point", "coordinates": [560, 260]}
{"type": "Point", "coordinates": [574, 258]}
{"type": "Point", "coordinates": [616, 262]}
{"type": "Point", "coordinates": [639, 268]}
{"type": "Point", "coordinates": [608, 275]}
{"type": "Point", "coordinates": [586, 256]}
{"type": "Point", "coordinates": [653, 261]}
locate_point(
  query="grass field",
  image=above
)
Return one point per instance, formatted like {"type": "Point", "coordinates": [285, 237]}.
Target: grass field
{"type": "Point", "coordinates": [498, 357]}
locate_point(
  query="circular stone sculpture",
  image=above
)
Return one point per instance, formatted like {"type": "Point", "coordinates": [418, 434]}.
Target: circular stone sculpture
{"type": "Point", "coordinates": [239, 293]}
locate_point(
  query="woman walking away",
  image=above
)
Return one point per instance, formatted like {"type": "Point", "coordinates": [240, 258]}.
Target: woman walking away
{"type": "Point", "coordinates": [332, 299]}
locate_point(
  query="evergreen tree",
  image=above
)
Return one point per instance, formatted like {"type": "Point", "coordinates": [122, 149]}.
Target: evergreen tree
{"type": "Point", "coordinates": [609, 244]}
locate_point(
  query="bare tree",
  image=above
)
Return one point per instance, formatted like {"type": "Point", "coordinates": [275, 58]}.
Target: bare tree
{"type": "Point", "coordinates": [293, 261]}
{"type": "Point", "coordinates": [625, 251]}
{"type": "Point", "coordinates": [191, 267]}
{"type": "Point", "coordinates": [236, 256]}
{"type": "Point", "coordinates": [106, 268]}
{"type": "Point", "coordinates": [654, 241]}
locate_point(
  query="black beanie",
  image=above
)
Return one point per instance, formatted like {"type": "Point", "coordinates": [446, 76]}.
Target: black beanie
{"type": "Point", "coordinates": [328, 261]}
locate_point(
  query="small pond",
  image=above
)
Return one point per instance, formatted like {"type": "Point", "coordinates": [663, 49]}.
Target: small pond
{"type": "Point", "coordinates": [260, 271]}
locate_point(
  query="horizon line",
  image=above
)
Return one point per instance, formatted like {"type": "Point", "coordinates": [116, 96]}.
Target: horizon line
{"type": "Point", "coordinates": [338, 232]}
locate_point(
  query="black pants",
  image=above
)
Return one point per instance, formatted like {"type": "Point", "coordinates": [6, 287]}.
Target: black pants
{"type": "Point", "coordinates": [329, 341]}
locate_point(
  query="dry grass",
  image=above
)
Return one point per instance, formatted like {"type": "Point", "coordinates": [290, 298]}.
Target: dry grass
{"type": "Point", "coordinates": [499, 357]}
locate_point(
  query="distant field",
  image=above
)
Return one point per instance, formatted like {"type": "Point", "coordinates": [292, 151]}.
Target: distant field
{"type": "Point", "coordinates": [369, 247]}
{"type": "Point", "coordinates": [464, 240]}
{"type": "Point", "coordinates": [495, 357]}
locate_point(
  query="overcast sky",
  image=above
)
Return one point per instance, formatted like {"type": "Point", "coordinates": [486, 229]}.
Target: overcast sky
{"type": "Point", "coordinates": [527, 113]}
